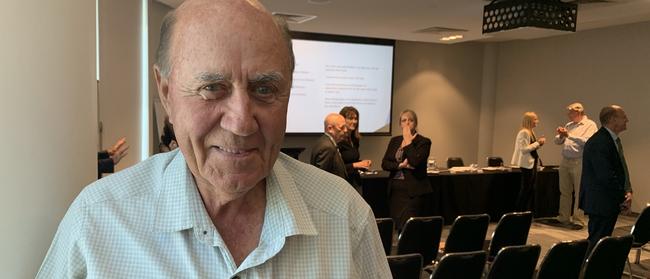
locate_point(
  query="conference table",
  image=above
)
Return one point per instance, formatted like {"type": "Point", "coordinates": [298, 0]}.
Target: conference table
{"type": "Point", "coordinates": [493, 192]}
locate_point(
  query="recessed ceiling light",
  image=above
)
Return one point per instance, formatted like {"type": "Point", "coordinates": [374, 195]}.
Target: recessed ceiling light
{"type": "Point", "coordinates": [294, 18]}
{"type": "Point", "coordinates": [451, 38]}
{"type": "Point", "coordinates": [319, 2]}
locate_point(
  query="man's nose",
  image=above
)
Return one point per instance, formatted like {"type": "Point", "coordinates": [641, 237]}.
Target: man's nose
{"type": "Point", "coordinates": [239, 116]}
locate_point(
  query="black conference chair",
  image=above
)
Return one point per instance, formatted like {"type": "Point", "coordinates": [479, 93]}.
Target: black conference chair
{"type": "Point", "coordinates": [494, 161]}
{"type": "Point", "coordinates": [465, 265]}
{"type": "Point", "coordinates": [607, 259]}
{"type": "Point", "coordinates": [511, 230]}
{"type": "Point", "coordinates": [563, 260]}
{"type": "Point", "coordinates": [515, 262]}
{"type": "Point", "coordinates": [454, 162]}
{"type": "Point", "coordinates": [467, 233]}
{"type": "Point", "coordinates": [408, 266]}
{"type": "Point", "coordinates": [386, 227]}
{"type": "Point", "coordinates": [421, 235]}
{"type": "Point", "coordinates": [641, 233]}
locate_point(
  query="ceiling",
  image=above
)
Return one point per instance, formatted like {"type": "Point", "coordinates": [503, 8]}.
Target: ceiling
{"type": "Point", "coordinates": [400, 20]}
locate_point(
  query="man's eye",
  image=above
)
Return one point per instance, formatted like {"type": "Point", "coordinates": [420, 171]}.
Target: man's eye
{"type": "Point", "coordinates": [265, 93]}
{"type": "Point", "coordinates": [212, 91]}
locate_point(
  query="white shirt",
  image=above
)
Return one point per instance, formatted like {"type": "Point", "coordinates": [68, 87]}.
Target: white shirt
{"type": "Point", "coordinates": [149, 221]}
{"type": "Point", "coordinates": [579, 133]}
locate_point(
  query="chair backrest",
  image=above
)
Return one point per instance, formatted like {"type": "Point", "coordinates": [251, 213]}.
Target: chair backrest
{"type": "Point", "coordinates": [563, 260]}
{"type": "Point", "coordinates": [454, 162]}
{"type": "Point", "coordinates": [467, 265]}
{"type": "Point", "coordinates": [494, 161]}
{"type": "Point", "coordinates": [515, 262]}
{"type": "Point", "coordinates": [467, 233]}
{"type": "Point", "coordinates": [421, 235]}
{"type": "Point", "coordinates": [641, 228]}
{"type": "Point", "coordinates": [408, 266]}
{"type": "Point", "coordinates": [608, 257]}
{"type": "Point", "coordinates": [511, 230]}
{"type": "Point", "coordinates": [386, 227]}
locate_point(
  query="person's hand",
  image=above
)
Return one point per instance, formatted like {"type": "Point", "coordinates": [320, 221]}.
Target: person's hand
{"type": "Point", "coordinates": [626, 206]}
{"type": "Point", "coordinates": [541, 141]}
{"type": "Point", "coordinates": [403, 164]}
{"type": "Point", "coordinates": [363, 164]}
{"type": "Point", "coordinates": [562, 132]}
{"type": "Point", "coordinates": [118, 151]}
{"type": "Point", "coordinates": [406, 134]}
{"type": "Point", "coordinates": [116, 146]}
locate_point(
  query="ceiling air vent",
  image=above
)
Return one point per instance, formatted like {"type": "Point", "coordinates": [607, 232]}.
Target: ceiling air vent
{"type": "Point", "coordinates": [295, 18]}
{"type": "Point", "coordinates": [441, 30]}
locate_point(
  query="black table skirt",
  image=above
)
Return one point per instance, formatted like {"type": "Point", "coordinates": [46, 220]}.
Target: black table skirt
{"type": "Point", "coordinates": [493, 193]}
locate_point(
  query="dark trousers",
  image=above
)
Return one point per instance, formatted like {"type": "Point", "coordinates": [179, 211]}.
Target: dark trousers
{"type": "Point", "coordinates": [599, 226]}
{"type": "Point", "coordinates": [526, 196]}
{"type": "Point", "coordinates": [403, 206]}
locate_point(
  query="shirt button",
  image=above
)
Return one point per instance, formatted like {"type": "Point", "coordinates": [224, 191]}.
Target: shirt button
{"type": "Point", "coordinates": [205, 232]}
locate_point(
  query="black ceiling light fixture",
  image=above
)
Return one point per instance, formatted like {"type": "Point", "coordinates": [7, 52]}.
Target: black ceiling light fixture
{"type": "Point", "coordinates": [502, 15]}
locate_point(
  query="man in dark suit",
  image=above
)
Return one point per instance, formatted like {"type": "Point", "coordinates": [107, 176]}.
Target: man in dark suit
{"type": "Point", "coordinates": [605, 188]}
{"type": "Point", "coordinates": [325, 154]}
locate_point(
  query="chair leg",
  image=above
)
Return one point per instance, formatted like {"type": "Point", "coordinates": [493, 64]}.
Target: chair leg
{"type": "Point", "coordinates": [637, 260]}
{"type": "Point", "coordinates": [630, 267]}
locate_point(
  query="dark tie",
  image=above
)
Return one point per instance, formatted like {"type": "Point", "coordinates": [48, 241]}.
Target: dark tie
{"type": "Point", "coordinates": [621, 155]}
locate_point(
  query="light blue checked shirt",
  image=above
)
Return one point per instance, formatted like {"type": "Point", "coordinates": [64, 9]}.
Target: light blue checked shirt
{"type": "Point", "coordinates": [149, 221]}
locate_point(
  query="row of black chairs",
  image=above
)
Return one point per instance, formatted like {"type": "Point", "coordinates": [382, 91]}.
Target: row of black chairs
{"type": "Point", "coordinates": [467, 233]}
{"type": "Point", "coordinates": [492, 161]}
{"type": "Point", "coordinates": [563, 260]}
{"type": "Point", "coordinates": [419, 242]}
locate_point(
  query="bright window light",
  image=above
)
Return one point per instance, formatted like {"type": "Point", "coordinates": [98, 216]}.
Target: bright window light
{"type": "Point", "coordinates": [144, 79]}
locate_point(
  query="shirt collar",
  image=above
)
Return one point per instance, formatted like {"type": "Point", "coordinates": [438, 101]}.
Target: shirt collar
{"type": "Point", "coordinates": [614, 136]}
{"type": "Point", "coordinates": [285, 208]}
{"type": "Point", "coordinates": [179, 205]}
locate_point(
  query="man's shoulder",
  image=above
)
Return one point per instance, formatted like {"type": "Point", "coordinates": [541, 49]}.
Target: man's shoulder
{"type": "Point", "coordinates": [323, 142]}
{"type": "Point", "coordinates": [140, 179]}
{"type": "Point", "coordinates": [600, 135]}
{"type": "Point", "coordinates": [599, 140]}
{"type": "Point", "coordinates": [321, 190]}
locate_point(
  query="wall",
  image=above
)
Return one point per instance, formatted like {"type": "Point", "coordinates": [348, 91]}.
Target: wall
{"type": "Point", "coordinates": [48, 116]}
{"type": "Point", "coordinates": [119, 67]}
{"type": "Point", "coordinates": [598, 68]}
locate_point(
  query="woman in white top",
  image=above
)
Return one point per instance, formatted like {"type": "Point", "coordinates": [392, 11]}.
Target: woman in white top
{"type": "Point", "coordinates": [526, 158]}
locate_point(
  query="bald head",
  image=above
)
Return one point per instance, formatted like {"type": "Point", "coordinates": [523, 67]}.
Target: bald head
{"type": "Point", "coordinates": [335, 126]}
{"type": "Point", "coordinates": [248, 12]}
{"type": "Point", "coordinates": [614, 118]}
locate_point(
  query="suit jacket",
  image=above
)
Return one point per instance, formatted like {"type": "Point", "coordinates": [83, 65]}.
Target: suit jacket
{"type": "Point", "coordinates": [603, 177]}
{"type": "Point", "coordinates": [417, 154]}
{"type": "Point", "coordinates": [522, 156]}
{"type": "Point", "coordinates": [350, 153]}
{"type": "Point", "coordinates": [325, 155]}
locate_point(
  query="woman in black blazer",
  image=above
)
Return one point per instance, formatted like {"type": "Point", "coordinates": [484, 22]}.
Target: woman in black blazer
{"type": "Point", "coordinates": [406, 159]}
{"type": "Point", "coordinates": [349, 148]}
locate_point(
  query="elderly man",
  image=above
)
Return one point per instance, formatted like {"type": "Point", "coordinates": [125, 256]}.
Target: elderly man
{"type": "Point", "coordinates": [227, 205]}
{"type": "Point", "coordinates": [325, 153]}
{"type": "Point", "coordinates": [572, 137]}
{"type": "Point", "coordinates": [605, 188]}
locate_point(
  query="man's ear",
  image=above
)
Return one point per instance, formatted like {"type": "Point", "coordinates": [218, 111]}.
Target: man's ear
{"type": "Point", "coordinates": [163, 91]}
